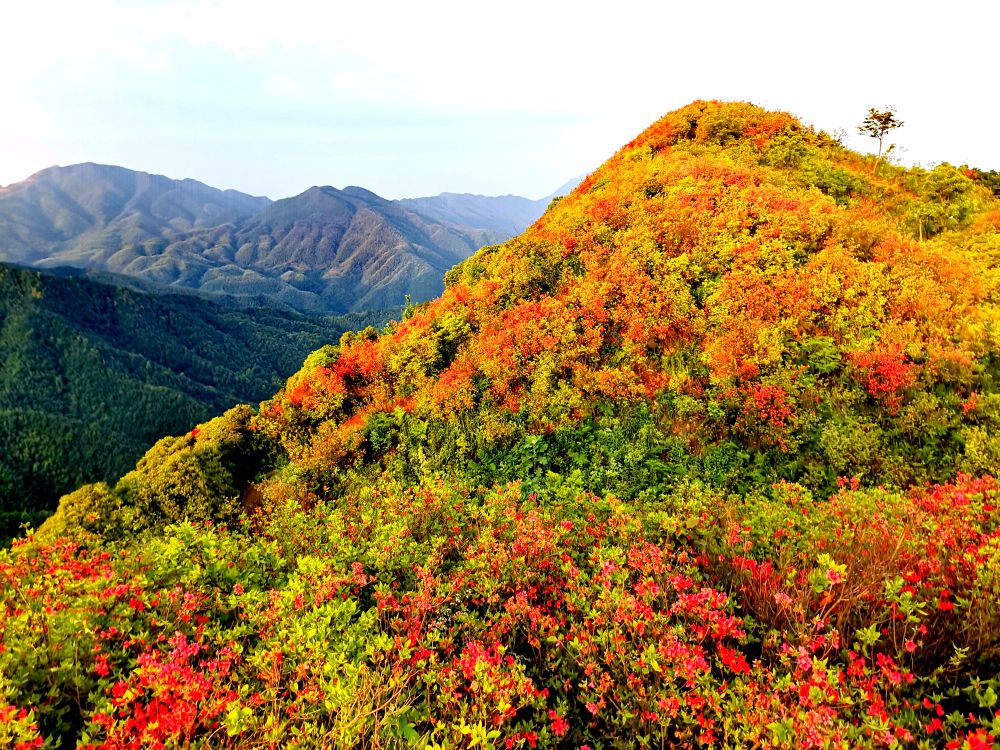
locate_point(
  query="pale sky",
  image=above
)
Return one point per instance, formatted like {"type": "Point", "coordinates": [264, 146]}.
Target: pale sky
{"type": "Point", "coordinates": [415, 98]}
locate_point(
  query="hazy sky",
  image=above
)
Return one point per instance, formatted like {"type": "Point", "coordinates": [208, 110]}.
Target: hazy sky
{"type": "Point", "coordinates": [415, 98]}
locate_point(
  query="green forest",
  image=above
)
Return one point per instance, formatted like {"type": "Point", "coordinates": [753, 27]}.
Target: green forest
{"type": "Point", "coordinates": [91, 375]}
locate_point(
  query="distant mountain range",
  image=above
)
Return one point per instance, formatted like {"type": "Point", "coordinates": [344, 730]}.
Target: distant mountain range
{"type": "Point", "coordinates": [92, 374]}
{"type": "Point", "coordinates": [325, 250]}
{"type": "Point", "coordinates": [505, 214]}
{"type": "Point", "coordinates": [69, 210]}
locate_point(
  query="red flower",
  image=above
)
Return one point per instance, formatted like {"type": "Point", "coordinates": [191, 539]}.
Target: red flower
{"type": "Point", "coordinates": [101, 667]}
{"type": "Point", "coordinates": [734, 660]}
{"type": "Point", "coordinates": [980, 741]}
{"type": "Point", "coordinates": [559, 725]}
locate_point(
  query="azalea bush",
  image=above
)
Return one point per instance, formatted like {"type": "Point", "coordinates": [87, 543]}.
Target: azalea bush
{"type": "Point", "coordinates": [891, 595]}
{"type": "Point", "coordinates": [452, 617]}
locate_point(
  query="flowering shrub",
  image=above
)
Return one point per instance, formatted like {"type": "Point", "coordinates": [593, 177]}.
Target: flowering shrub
{"type": "Point", "coordinates": [888, 594]}
{"type": "Point", "coordinates": [18, 728]}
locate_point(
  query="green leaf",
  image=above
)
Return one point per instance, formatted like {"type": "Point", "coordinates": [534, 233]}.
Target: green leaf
{"type": "Point", "coordinates": [404, 729]}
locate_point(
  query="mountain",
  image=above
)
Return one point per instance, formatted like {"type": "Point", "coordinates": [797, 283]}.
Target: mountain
{"type": "Point", "coordinates": [325, 250]}
{"type": "Point", "coordinates": [92, 375]}
{"type": "Point", "coordinates": [701, 459]}
{"type": "Point", "coordinates": [71, 211]}
{"type": "Point", "coordinates": [507, 215]}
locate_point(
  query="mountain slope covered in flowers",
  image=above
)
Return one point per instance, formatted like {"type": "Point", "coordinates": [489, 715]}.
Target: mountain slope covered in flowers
{"type": "Point", "coordinates": [701, 459]}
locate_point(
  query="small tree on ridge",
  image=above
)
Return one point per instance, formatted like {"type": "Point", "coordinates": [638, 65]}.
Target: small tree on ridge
{"type": "Point", "coordinates": [877, 125]}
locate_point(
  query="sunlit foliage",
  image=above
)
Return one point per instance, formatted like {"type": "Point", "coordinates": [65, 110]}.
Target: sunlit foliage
{"type": "Point", "coordinates": [700, 460]}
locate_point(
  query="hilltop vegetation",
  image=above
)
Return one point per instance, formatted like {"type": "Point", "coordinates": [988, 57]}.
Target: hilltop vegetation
{"type": "Point", "coordinates": [92, 375]}
{"type": "Point", "coordinates": [700, 459]}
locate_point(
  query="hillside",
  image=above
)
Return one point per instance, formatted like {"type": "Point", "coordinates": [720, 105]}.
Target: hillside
{"type": "Point", "coordinates": [700, 459]}
{"type": "Point", "coordinates": [325, 250]}
{"type": "Point", "coordinates": [92, 375]}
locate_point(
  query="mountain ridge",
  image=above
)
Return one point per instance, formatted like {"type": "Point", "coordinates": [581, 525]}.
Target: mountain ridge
{"type": "Point", "coordinates": [186, 234]}
{"type": "Point", "coordinates": [502, 213]}
{"type": "Point", "coordinates": [85, 199]}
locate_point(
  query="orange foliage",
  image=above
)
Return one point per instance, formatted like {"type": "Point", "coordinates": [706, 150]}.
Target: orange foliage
{"type": "Point", "coordinates": [686, 262]}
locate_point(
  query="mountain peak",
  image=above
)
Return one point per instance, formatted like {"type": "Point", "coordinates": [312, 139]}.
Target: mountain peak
{"type": "Point", "coordinates": [711, 255]}
{"type": "Point", "coordinates": [364, 194]}
{"type": "Point", "coordinates": [317, 200]}
{"type": "Point", "coordinates": [106, 208]}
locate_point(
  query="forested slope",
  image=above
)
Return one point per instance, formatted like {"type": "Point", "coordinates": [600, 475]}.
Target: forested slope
{"type": "Point", "coordinates": [91, 375]}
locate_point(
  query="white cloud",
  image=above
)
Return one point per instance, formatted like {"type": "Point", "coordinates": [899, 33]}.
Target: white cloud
{"type": "Point", "coordinates": [283, 87]}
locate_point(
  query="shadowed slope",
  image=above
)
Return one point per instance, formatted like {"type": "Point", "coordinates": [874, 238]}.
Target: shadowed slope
{"type": "Point", "coordinates": [91, 375]}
